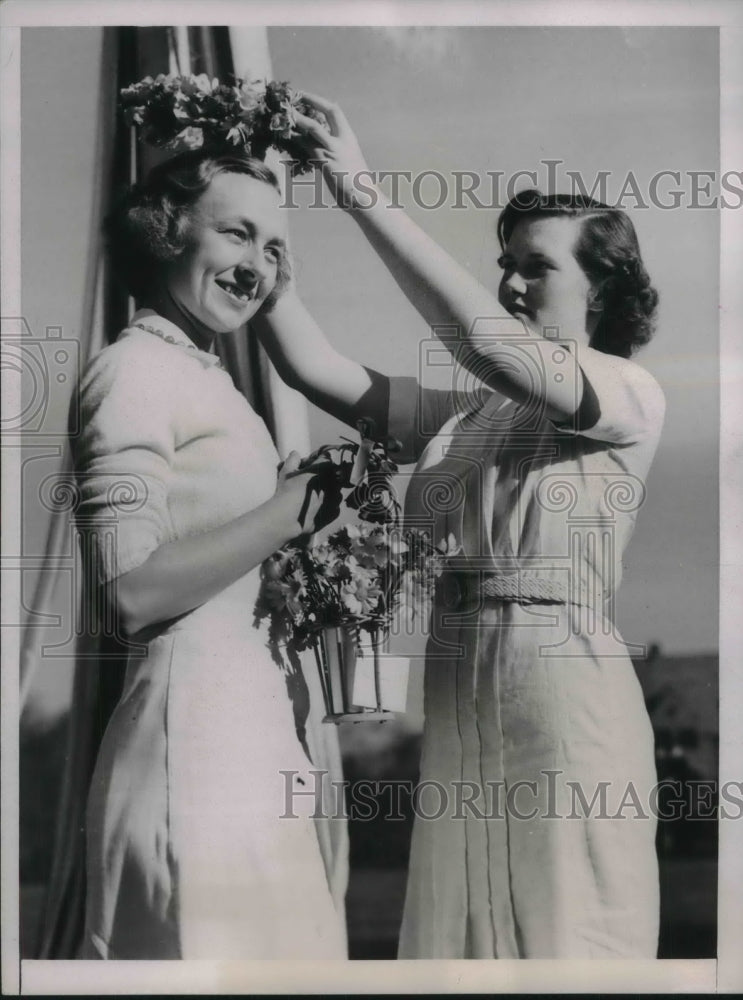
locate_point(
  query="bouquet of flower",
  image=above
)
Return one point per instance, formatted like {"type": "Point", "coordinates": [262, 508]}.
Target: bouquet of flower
{"type": "Point", "coordinates": [355, 580]}
{"type": "Point", "coordinates": [189, 111]}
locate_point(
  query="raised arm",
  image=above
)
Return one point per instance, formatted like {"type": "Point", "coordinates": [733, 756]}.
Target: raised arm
{"type": "Point", "coordinates": [306, 360]}
{"type": "Point", "coordinates": [501, 350]}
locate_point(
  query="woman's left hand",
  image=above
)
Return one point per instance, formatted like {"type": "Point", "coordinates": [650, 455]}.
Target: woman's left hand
{"type": "Point", "coordinates": [338, 152]}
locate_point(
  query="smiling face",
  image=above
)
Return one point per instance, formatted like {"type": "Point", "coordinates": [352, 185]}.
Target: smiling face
{"type": "Point", "coordinates": [543, 282]}
{"type": "Point", "coordinates": [235, 241]}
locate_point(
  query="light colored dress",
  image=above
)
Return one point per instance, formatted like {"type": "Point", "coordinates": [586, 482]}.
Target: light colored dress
{"type": "Point", "coordinates": [188, 855]}
{"type": "Point", "coordinates": [532, 703]}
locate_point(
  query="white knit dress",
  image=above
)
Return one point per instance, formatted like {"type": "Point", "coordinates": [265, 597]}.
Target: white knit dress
{"type": "Point", "coordinates": [188, 855]}
{"type": "Point", "coordinates": [530, 704]}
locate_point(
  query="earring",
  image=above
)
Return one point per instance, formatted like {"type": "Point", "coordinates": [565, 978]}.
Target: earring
{"type": "Point", "coordinates": [594, 301]}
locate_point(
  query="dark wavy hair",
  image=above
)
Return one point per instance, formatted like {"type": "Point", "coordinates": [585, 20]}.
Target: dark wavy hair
{"type": "Point", "coordinates": [609, 253]}
{"type": "Point", "coordinates": [148, 227]}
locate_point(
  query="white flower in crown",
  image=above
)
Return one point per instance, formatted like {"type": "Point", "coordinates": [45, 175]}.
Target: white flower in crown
{"type": "Point", "coordinates": [191, 138]}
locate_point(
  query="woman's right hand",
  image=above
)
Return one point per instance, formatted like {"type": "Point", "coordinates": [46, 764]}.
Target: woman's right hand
{"type": "Point", "coordinates": [310, 500]}
{"type": "Point", "coordinates": [338, 152]}
{"type": "Point", "coordinates": [182, 574]}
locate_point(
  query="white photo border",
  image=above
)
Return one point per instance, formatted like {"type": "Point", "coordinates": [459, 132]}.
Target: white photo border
{"type": "Point", "coordinates": [623, 976]}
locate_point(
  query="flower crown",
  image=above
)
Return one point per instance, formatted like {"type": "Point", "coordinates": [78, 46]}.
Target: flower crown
{"type": "Point", "coordinates": [191, 111]}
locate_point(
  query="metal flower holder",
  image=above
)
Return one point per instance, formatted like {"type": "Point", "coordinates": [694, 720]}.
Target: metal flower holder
{"type": "Point", "coordinates": [337, 653]}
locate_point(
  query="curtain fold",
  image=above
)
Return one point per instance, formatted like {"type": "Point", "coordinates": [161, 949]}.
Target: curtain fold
{"type": "Point", "coordinates": [128, 54]}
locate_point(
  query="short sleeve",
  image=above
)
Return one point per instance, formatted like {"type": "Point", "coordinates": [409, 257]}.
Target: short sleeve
{"type": "Point", "coordinates": [416, 415]}
{"type": "Point", "coordinates": [621, 402]}
{"type": "Point", "coordinates": [123, 459]}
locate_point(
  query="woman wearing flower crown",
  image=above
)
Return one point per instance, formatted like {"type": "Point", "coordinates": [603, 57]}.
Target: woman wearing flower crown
{"type": "Point", "coordinates": [190, 852]}
{"type": "Point", "coordinates": [536, 733]}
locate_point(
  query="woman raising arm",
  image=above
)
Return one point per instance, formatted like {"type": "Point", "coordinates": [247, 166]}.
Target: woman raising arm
{"type": "Point", "coordinates": [501, 339]}
{"type": "Point", "coordinates": [528, 685]}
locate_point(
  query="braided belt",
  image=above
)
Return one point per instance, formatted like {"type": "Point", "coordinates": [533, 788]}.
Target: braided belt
{"type": "Point", "coordinates": [525, 587]}
{"type": "Point", "coordinates": [518, 586]}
